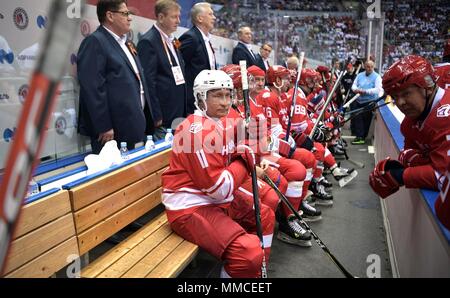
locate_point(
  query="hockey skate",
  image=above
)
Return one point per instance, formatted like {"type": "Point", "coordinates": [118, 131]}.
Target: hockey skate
{"type": "Point", "coordinates": [310, 213]}
{"type": "Point", "coordinates": [310, 199]}
{"type": "Point", "coordinates": [325, 182]}
{"type": "Point", "coordinates": [323, 198]}
{"type": "Point", "coordinates": [290, 231]}
{"type": "Point", "coordinates": [343, 175]}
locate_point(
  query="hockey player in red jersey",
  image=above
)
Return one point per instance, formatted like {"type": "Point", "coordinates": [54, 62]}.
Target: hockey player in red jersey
{"type": "Point", "coordinates": [277, 107]}
{"type": "Point", "coordinates": [422, 163]}
{"type": "Point", "coordinates": [442, 70]}
{"type": "Point", "coordinates": [303, 124]}
{"type": "Point", "coordinates": [287, 173]}
{"type": "Point", "coordinates": [201, 188]}
{"type": "Point", "coordinates": [442, 204]}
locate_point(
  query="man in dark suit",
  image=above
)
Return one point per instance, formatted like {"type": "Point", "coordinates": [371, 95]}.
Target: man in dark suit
{"type": "Point", "coordinates": [164, 68]}
{"type": "Point", "coordinates": [262, 59]}
{"type": "Point", "coordinates": [196, 48]}
{"type": "Point", "coordinates": [243, 50]}
{"type": "Point", "coordinates": [114, 103]}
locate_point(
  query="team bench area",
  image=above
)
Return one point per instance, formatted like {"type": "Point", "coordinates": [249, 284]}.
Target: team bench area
{"type": "Point", "coordinates": [85, 213]}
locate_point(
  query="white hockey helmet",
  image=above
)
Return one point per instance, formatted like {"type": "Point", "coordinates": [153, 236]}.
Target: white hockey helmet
{"type": "Point", "coordinates": [208, 80]}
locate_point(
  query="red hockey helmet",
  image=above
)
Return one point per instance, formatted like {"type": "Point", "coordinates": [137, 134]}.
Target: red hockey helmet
{"type": "Point", "coordinates": [410, 70]}
{"type": "Point", "coordinates": [446, 48]}
{"type": "Point", "coordinates": [234, 71]}
{"type": "Point", "coordinates": [325, 71]}
{"type": "Point", "coordinates": [308, 76]}
{"type": "Point", "coordinates": [277, 71]}
{"type": "Point", "coordinates": [256, 71]}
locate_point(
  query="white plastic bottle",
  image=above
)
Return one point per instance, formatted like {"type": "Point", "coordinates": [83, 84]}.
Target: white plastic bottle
{"type": "Point", "coordinates": [169, 136]}
{"type": "Point", "coordinates": [33, 187]}
{"type": "Point", "coordinates": [149, 145]}
{"type": "Point", "coordinates": [124, 150]}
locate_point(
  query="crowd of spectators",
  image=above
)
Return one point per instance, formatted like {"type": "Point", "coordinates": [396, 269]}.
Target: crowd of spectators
{"type": "Point", "coordinates": [411, 27]}
{"type": "Point", "coordinates": [415, 27]}
{"type": "Point", "coordinates": [321, 37]}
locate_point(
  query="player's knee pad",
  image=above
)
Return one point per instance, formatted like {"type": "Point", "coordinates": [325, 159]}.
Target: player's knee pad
{"type": "Point", "coordinates": [307, 158]}
{"type": "Point", "coordinates": [244, 257]}
{"type": "Point", "coordinates": [292, 169]}
{"type": "Point", "coordinates": [319, 154]}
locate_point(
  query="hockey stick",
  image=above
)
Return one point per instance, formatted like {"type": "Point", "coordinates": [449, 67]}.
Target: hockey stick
{"type": "Point", "coordinates": [243, 65]}
{"type": "Point", "coordinates": [351, 101]}
{"type": "Point", "coordinates": [322, 112]}
{"type": "Point", "coordinates": [316, 238]}
{"type": "Point", "coordinates": [294, 95]}
{"type": "Point", "coordinates": [23, 155]}
{"type": "Point", "coordinates": [364, 110]}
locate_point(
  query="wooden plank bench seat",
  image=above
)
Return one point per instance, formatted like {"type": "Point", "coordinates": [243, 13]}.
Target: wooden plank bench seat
{"type": "Point", "coordinates": [107, 204]}
{"type": "Point", "coordinates": [44, 239]}
{"type": "Point", "coordinates": [153, 251]}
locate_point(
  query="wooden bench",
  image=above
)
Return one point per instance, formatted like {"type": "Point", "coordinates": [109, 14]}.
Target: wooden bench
{"type": "Point", "coordinates": [107, 204]}
{"type": "Point", "coordinates": [44, 238]}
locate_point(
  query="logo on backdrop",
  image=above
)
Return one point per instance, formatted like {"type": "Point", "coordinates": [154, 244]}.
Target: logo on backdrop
{"type": "Point", "coordinates": [60, 125]}
{"type": "Point", "coordinates": [6, 56]}
{"type": "Point", "coordinates": [41, 22]}
{"type": "Point", "coordinates": [20, 18]}
{"type": "Point", "coordinates": [85, 28]}
{"type": "Point", "coordinates": [8, 134]}
{"type": "Point", "coordinates": [4, 96]}
{"type": "Point", "coordinates": [22, 93]}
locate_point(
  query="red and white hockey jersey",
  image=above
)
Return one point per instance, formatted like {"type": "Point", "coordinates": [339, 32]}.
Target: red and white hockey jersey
{"type": "Point", "coordinates": [301, 122]}
{"type": "Point", "coordinates": [201, 170]}
{"type": "Point", "coordinates": [442, 204]}
{"type": "Point", "coordinates": [443, 72]}
{"type": "Point", "coordinates": [430, 137]}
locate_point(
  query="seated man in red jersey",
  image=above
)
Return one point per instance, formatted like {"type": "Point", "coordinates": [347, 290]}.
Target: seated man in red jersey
{"type": "Point", "coordinates": [422, 163]}
{"type": "Point", "coordinates": [292, 171]}
{"type": "Point", "coordinates": [201, 188]}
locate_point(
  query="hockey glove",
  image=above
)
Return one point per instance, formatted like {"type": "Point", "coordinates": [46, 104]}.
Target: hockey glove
{"type": "Point", "coordinates": [247, 154]}
{"type": "Point", "coordinates": [387, 177]}
{"type": "Point", "coordinates": [322, 134]}
{"type": "Point", "coordinates": [412, 158]}
{"type": "Point", "coordinates": [303, 141]}
{"type": "Point", "coordinates": [285, 149]}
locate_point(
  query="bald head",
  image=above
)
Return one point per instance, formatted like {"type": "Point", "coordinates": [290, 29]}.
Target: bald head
{"type": "Point", "coordinates": [369, 65]}
{"type": "Point", "coordinates": [292, 62]}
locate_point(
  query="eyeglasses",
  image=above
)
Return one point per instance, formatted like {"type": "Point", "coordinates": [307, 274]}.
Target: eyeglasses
{"type": "Point", "coordinates": [123, 13]}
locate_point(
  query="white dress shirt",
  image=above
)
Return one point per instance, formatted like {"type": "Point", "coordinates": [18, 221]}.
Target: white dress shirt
{"type": "Point", "coordinates": [211, 57]}
{"type": "Point", "coordinates": [249, 48]}
{"type": "Point", "coordinates": [169, 42]}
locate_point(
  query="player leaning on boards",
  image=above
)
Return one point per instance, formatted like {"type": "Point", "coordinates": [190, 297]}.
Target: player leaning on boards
{"type": "Point", "coordinates": [411, 82]}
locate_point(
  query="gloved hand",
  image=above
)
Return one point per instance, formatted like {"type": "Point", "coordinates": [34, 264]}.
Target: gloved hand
{"type": "Point", "coordinates": [412, 158]}
{"type": "Point", "coordinates": [247, 154]}
{"type": "Point", "coordinates": [387, 177]}
{"type": "Point", "coordinates": [303, 141]}
{"type": "Point", "coordinates": [322, 134]}
{"type": "Point", "coordinates": [285, 149]}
